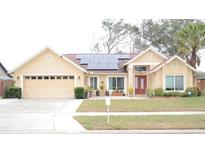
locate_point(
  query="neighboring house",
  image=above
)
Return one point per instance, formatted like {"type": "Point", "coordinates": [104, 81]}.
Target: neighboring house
{"type": "Point", "coordinates": [201, 81]}
{"type": "Point", "coordinates": [49, 74]}
{"type": "Point", "coordinates": [201, 84]}
{"type": "Point", "coordinates": [5, 79]}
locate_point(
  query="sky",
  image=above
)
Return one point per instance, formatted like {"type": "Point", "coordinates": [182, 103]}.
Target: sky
{"type": "Point", "coordinates": [27, 27]}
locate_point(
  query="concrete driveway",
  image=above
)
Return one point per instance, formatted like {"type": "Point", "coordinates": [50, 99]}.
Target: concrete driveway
{"type": "Point", "coordinates": [39, 116]}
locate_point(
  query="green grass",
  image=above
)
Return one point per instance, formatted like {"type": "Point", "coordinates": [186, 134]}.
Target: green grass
{"type": "Point", "coordinates": [146, 105]}
{"type": "Point", "coordinates": [143, 122]}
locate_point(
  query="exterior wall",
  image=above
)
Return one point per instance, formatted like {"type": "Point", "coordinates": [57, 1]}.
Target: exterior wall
{"type": "Point", "coordinates": [104, 78]}
{"type": "Point", "coordinates": [190, 78]}
{"type": "Point", "coordinates": [157, 79]}
{"type": "Point", "coordinates": [48, 63]}
{"type": "Point", "coordinates": [149, 81]}
{"type": "Point", "coordinates": [130, 77]}
{"type": "Point", "coordinates": [170, 69]}
{"type": "Point", "coordinates": [150, 58]}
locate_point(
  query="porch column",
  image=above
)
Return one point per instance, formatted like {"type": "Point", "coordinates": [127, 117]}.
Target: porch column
{"type": "Point", "coordinates": [130, 76]}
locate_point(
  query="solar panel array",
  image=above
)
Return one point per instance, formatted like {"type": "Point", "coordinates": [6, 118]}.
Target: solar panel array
{"type": "Point", "coordinates": [101, 61]}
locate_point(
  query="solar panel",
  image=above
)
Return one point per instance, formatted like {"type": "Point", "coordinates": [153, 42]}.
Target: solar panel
{"type": "Point", "coordinates": [112, 66]}
{"type": "Point", "coordinates": [98, 66]}
{"type": "Point", "coordinates": [91, 66]}
{"type": "Point", "coordinates": [101, 61]}
{"type": "Point", "coordinates": [84, 60]}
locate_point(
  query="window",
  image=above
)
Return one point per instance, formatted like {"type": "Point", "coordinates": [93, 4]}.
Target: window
{"type": "Point", "coordinates": [40, 77]}
{"type": "Point", "coordinates": [71, 77]}
{"type": "Point", "coordinates": [93, 83]}
{"type": "Point", "coordinates": [174, 83]}
{"type": "Point", "coordinates": [120, 83]}
{"type": "Point", "coordinates": [27, 77]}
{"type": "Point", "coordinates": [58, 77]}
{"type": "Point", "coordinates": [169, 83]}
{"type": "Point", "coordinates": [179, 83]}
{"type": "Point", "coordinates": [140, 68]}
{"type": "Point", "coordinates": [52, 77]}
{"type": "Point", "coordinates": [112, 84]}
{"type": "Point", "coordinates": [142, 83]}
{"type": "Point", "coordinates": [116, 83]}
{"type": "Point", "coordinates": [46, 77]}
{"type": "Point", "coordinates": [136, 82]}
{"type": "Point", "coordinates": [65, 77]}
{"type": "Point", "coordinates": [33, 78]}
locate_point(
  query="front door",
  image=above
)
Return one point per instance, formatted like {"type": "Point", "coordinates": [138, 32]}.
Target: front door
{"type": "Point", "coordinates": [140, 84]}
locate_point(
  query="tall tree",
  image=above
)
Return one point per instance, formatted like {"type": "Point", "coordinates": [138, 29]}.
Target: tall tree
{"type": "Point", "coordinates": [121, 36]}
{"type": "Point", "coordinates": [134, 41]}
{"type": "Point", "coordinates": [161, 34]}
{"type": "Point", "coordinates": [190, 40]}
{"type": "Point", "coordinates": [115, 34]}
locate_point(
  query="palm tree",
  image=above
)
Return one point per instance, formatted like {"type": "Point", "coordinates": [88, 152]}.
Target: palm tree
{"type": "Point", "coordinates": [191, 39]}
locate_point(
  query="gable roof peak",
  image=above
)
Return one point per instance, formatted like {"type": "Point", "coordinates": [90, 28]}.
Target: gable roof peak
{"type": "Point", "coordinates": [143, 52]}
{"type": "Point", "coordinates": [53, 51]}
{"type": "Point", "coordinates": [167, 61]}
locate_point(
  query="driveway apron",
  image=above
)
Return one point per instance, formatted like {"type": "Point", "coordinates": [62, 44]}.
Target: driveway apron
{"type": "Point", "coordinates": [39, 116]}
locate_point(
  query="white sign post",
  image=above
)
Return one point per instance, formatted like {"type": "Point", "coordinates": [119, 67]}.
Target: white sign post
{"type": "Point", "coordinates": [108, 103]}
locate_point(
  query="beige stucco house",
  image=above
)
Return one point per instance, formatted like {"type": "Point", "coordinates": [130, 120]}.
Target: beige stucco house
{"type": "Point", "coordinates": [48, 74]}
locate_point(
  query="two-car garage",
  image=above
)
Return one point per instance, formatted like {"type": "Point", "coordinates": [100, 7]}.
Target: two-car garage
{"type": "Point", "coordinates": [48, 86]}
{"type": "Point", "coordinates": [48, 75]}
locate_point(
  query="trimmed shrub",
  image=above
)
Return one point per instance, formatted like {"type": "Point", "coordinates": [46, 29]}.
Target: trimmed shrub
{"type": "Point", "coordinates": [194, 91]}
{"type": "Point", "coordinates": [184, 94]}
{"type": "Point", "coordinates": [79, 92]}
{"type": "Point", "coordinates": [172, 94]}
{"type": "Point", "coordinates": [150, 92]}
{"type": "Point", "coordinates": [159, 92]}
{"type": "Point", "coordinates": [12, 92]}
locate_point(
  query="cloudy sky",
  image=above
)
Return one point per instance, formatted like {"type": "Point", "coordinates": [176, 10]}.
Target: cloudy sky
{"type": "Point", "coordinates": [26, 27]}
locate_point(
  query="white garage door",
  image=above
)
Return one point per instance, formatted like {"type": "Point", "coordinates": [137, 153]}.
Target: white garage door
{"type": "Point", "coordinates": [48, 86]}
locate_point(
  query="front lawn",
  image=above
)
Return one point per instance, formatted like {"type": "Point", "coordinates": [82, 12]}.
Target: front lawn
{"type": "Point", "coordinates": [142, 122]}
{"type": "Point", "coordinates": [146, 105]}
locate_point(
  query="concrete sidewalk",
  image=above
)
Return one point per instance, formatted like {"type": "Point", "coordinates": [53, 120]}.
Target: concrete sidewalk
{"type": "Point", "coordinates": [167, 131]}
{"type": "Point", "coordinates": [64, 122]}
{"type": "Point", "coordinates": [137, 113]}
{"type": "Point", "coordinates": [118, 97]}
